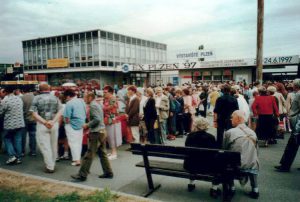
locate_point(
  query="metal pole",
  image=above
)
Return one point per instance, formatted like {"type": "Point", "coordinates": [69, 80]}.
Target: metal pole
{"type": "Point", "coordinates": [259, 51]}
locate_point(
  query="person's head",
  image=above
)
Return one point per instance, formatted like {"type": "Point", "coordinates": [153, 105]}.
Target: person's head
{"type": "Point", "coordinates": [271, 90]}
{"type": "Point", "coordinates": [108, 91]}
{"type": "Point", "coordinates": [178, 92]}
{"type": "Point", "coordinates": [69, 94]}
{"type": "Point", "coordinates": [237, 117]}
{"type": "Point", "coordinates": [158, 91]}
{"type": "Point", "coordinates": [2, 93]}
{"type": "Point", "coordinates": [226, 88]}
{"type": "Point", "coordinates": [44, 87]}
{"type": "Point", "coordinates": [281, 89]}
{"type": "Point", "coordinates": [17, 91]}
{"type": "Point", "coordinates": [200, 124]}
{"type": "Point", "coordinates": [186, 92]}
{"type": "Point", "coordinates": [89, 97]}
{"type": "Point", "coordinates": [262, 90]}
{"type": "Point", "coordinates": [169, 87]}
{"type": "Point", "coordinates": [131, 90]}
{"type": "Point", "coordinates": [236, 88]}
{"type": "Point", "coordinates": [296, 84]}
{"type": "Point", "coordinates": [255, 93]}
{"type": "Point", "coordinates": [149, 92]}
{"type": "Point", "coordinates": [256, 83]}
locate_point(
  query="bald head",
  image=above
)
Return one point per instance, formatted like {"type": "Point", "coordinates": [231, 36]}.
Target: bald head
{"type": "Point", "coordinates": [238, 117]}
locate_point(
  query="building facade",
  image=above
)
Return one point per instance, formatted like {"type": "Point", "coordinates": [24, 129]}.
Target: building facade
{"type": "Point", "coordinates": [90, 55]}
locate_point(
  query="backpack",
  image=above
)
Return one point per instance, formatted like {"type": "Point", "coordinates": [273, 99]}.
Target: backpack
{"type": "Point", "coordinates": [178, 107]}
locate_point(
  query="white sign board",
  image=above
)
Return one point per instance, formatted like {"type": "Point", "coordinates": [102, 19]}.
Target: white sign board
{"type": "Point", "coordinates": [213, 64]}
{"type": "Point", "coordinates": [194, 55]}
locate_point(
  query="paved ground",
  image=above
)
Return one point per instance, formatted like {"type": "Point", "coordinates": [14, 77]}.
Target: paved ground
{"type": "Point", "coordinates": [273, 186]}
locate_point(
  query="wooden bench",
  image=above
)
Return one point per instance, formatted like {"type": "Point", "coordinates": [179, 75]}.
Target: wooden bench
{"type": "Point", "coordinates": [222, 167]}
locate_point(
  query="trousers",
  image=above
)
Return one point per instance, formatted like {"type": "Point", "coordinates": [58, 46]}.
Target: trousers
{"type": "Point", "coordinates": [97, 142]}
{"type": "Point", "coordinates": [47, 142]}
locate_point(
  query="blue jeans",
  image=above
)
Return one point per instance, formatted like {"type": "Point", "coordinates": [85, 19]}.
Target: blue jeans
{"type": "Point", "coordinates": [13, 141]}
{"type": "Point", "coordinates": [31, 129]}
{"type": "Point", "coordinates": [163, 129]}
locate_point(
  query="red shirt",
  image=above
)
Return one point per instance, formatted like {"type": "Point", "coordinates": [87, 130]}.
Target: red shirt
{"type": "Point", "coordinates": [265, 105]}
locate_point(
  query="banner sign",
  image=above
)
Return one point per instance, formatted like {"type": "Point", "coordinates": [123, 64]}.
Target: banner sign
{"type": "Point", "coordinates": [212, 64]}
{"type": "Point", "coordinates": [58, 63]}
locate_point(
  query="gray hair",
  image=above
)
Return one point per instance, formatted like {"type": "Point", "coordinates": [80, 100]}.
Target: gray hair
{"type": "Point", "coordinates": [239, 113]}
{"type": "Point", "coordinates": [296, 83]}
{"type": "Point", "coordinates": [272, 89]}
{"type": "Point", "coordinates": [200, 123]}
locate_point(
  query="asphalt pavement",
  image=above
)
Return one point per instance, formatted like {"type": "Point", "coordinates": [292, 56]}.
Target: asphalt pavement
{"type": "Point", "coordinates": [273, 186]}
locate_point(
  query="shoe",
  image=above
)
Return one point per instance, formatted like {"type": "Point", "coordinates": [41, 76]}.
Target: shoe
{"type": "Point", "coordinates": [75, 164]}
{"type": "Point", "coordinates": [18, 161]}
{"type": "Point", "coordinates": [11, 160]}
{"type": "Point", "coordinates": [254, 195]}
{"type": "Point", "coordinates": [65, 157]}
{"type": "Point", "coordinates": [46, 170]}
{"type": "Point", "coordinates": [171, 137]}
{"type": "Point", "coordinates": [214, 193]}
{"type": "Point", "coordinates": [281, 169]}
{"type": "Point", "coordinates": [78, 177]}
{"type": "Point", "coordinates": [107, 175]}
{"type": "Point", "coordinates": [243, 180]}
{"type": "Point", "coordinates": [57, 159]}
{"type": "Point", "coordinates": [112, 157]}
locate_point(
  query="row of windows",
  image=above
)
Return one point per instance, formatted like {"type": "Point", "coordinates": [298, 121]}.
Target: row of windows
{"type": "Point", "coordinates": [94, 34]}
{"type": "Point", "coordinates": [90, 51]}
{"type": "Point", "coordinates": [102, 63]}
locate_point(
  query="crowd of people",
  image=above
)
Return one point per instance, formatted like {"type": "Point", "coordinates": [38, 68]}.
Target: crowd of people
{"type": "Point", "coordinates": [78, 124]}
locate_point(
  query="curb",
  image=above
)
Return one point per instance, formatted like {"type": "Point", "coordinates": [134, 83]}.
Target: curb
{"type": "Point", "coordinates": [81, 186]}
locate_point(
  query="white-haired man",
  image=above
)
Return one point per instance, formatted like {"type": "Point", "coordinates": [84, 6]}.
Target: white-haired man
{"type": "Point", "coordinates": [242, 139]}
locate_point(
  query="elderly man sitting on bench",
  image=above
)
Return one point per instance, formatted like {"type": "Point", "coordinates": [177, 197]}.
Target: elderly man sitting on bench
{"type": "Point", "coordinates": [242, 139]}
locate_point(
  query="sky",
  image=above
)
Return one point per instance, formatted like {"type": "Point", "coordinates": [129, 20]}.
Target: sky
{"type": "Point", "coordinates": [226, 27]}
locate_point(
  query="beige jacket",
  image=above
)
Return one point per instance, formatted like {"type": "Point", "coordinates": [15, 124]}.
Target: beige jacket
{"type": "Point", "coordinates": [164, 107]}
{"type": "Point", "coordinates": [242, 139]}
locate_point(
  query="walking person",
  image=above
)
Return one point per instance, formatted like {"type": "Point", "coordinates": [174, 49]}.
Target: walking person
{"type": "Point", "coordinates": [97, 142]}
{"type": "Point", "coordinates": [46, 109]}
{"type": "Point", "coordinates": [74, 117]}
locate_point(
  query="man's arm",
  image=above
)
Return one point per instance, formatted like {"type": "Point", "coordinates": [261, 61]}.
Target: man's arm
{"type": "Point", "coordinates": [95, 116]}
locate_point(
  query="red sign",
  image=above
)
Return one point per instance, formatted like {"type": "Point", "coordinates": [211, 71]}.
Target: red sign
{"type": "Point", "coordinates": [227, 72]}
{"type": "Point", "coordinates": [196, 73]}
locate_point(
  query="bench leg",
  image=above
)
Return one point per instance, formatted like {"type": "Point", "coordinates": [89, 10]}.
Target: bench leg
{"type": "Point", "coordinates": [150, 191]}
{"type": "Point", "coordinates": [226, 192]}
{"type": "Point", "coordinates": [151, 186]}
